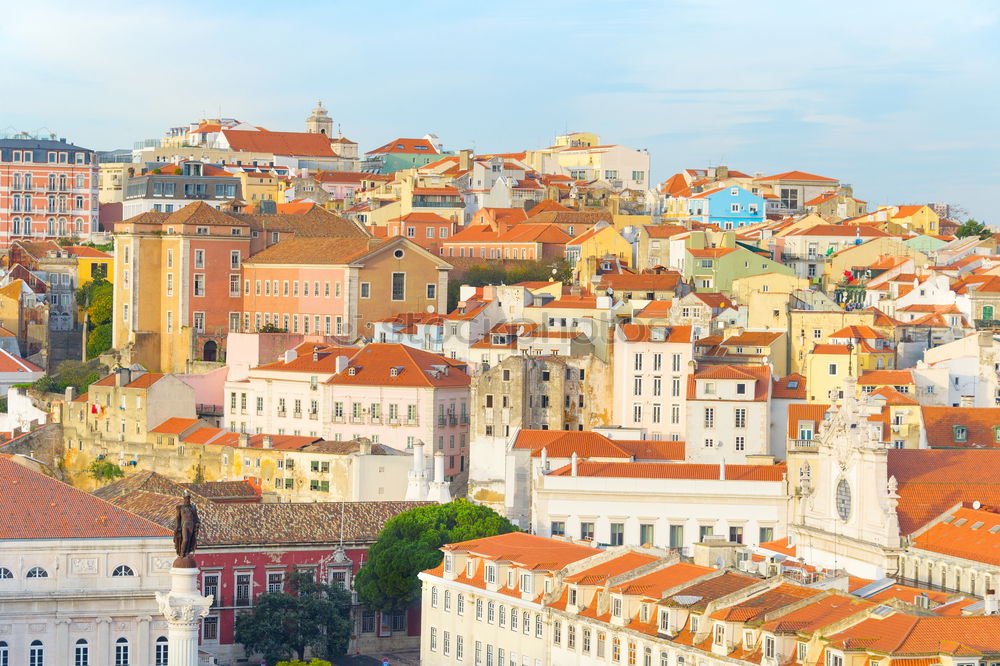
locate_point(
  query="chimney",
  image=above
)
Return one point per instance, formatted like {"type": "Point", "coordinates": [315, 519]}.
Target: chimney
{"type": "Point", "coordinates": [439, 466]}
{"type": "Point", "coordinates": [365, 446]}
{"type": "Point", "coordinates": [70, 394]}
{"type": "Point", "coordinates": [464, 159]}
{"type": "Point", "coordinates": [315, 355]}
{"type": "Point", "coordinates": [243, 440]}
{"type": "Point", "coordinates": [342, 362]}
{"type": "Point", "coordinates": [722, 470]}
{"type": "Point", "coordinates": [418, 456]}
{"type": "Point", "coordinates": [123, 377]}
{"type": "Point", "coordinates": [545, 459]}
{"type": "Point", "coordinates": [291, 355]}
{"type": "Point", "coordinates": [267, 442]}
{"type": "Point", "coordinates": [992, 601]}
{"type": "Point", "coordinates": [573, 464]}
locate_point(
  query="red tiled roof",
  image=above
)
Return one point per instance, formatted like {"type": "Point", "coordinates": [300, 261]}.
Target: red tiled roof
{"type": "Point", "coordinates": [174, 426]}
{"type": "Point", "coordinates": [783, 387]}
{"type": "Point", "coordinates": [933, 480]}
{"type": "Point", "coordinates": [525, 550]}
{"type": "Point", "coordinates": [666, 281]}
{"type": "Point", "coordinates": [598, 574]}
{"type": "Point", "coordinates": [831, 349]}
{"type": "Point", "coordinates": [145, 380]}
{"type": "Point", "coordinates": [644, 332]}
{"type": "Point", "coordinates": [890, 377]}
{"type": "Point", "coordinates": [940, 424]}
{"type": "Point", "coordinates": [372, 365]}
{"type": "Point", "coordinates": [417, 146]}
{"type": "Point", "coordinates": [652, 585]}
{"type": "Point", "coordinates": [304, 144]}
{"type": "Point", "coordinates": [664, 230]}
{"type": "Point", "coordinates": [588, 444]}
{"type": "Point", "coordinates": [900, 634]}
{"type": "Point", "coordinates": [11, 363]}
{"type": "Point", "coordinates": [35, 506]}
{"type": "Point", "coordinates": [812, 412]}
{"type": "Point", "coordinates": [795, 175]}
{"type": "Point", "coordinates": [970, 534]}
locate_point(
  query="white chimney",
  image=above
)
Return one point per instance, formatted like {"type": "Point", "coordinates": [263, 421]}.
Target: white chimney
{"type": "Point", "coordinates": [545, 459]}
{"type": "Point", "coordinates": [992, 601]}
{"type": "Point", "coordinates": [290, 355]}
{"type": "Point", "coordinates": [439, 466]}
{"type": "Point", "coordinates": [267, 441]}
{"type": "Point", "coordinates": [418, 455]}
{"type": "Point", "coordinates": [722, 470]}
{"type": "Point", "coordinates": [342, 363]}
{"type": "Point", "coordinates": [573, 463]}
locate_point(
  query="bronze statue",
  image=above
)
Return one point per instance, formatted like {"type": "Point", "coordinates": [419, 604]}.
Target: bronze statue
{"type": "Point", "coordinates": [186, 528]}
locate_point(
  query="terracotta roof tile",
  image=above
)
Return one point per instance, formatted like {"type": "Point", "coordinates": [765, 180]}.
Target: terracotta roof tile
{"type": "Point", "coordinates": [280, 143]}
{"type": "Point", "coordinates": [689, 471]}
{"type": "Point", "coordinates": [525, 550]}
{"type": "Point", "coordinates": [34, 506]}
{"type": "Point", "coordinates": [942, 423]}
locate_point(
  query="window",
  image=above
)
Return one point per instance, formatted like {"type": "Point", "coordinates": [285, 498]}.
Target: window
{"type": "Point", "coordinates": [558, 528]}
{"type": "Point", "coordinates": [366, 290]}
{"type": "Point", "coordinates": [832, 370]}
{"type": "Point", "coordinates": [538, 626]}
{"type": "Point", "coordinates": [479, 610]}
{"type": "Point", "coordinates": [434, 639]}
{"type": "Point", "coordinates": [368, 621]}
{"type": "Point", "coordinates": [37, 572]}
{"type": "Point", "coordinates": [121, 652]}
{"type": "Point", "coordinates": [431, 290]}
{"type": "Point", "coordinates": [36, 654]}
{"type": "Point", "coordinates": [646, 533]}
{"type": "Point", "coordinates": [123, 570]}
{"type": "Point", "coordinates": [491, 612]}
{"type": "Point", "coordinates": [398, 286]}
{"type": "Point", "coordinates": [242, 589]}
{"type": "Point", "coordinates": [161, 651]}
{"type": "Point", "coordinates": [210, 587]}
{"type": "Point", "coordinates": [81, 654]}
{"type": "Point", "coordinates": [709, 417]}
{"type": "Point", "coordinates": [526, 622]}
{"type": "Point", "coordinates": [617, 534]}
{"type": "Point", "coordinates": [960, 433]}
{"type": "Point", "coordinates": [5, 573]}
{"type": "Point", "coordinates": [556, 632]}
{"type": "Point", "coordinates": [740, 442]}
{"type": "Point", "coordinates": [587, 531]}
{"type": "Point", "coordinates": [275, 581]}
{"type": "Point", "coordinates": [736, 534]}
{"type": "Point", "coordinates": [766, 534]}
{"type": "Point", "coordinates": [459, 647]}
{"type": "Point", "coordinates": [460, 604]}
{"type": "Point", "coordinates": [740, 417]}
{"type": "Point", "coordinates": [586, 641]}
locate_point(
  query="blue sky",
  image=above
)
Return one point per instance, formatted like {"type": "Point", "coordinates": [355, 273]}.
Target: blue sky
{"type": "Point", "coordinates": [898, 98]}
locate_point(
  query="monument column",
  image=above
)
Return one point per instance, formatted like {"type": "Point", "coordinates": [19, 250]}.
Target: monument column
{"type": "Point", "coordinates": [183, 607]}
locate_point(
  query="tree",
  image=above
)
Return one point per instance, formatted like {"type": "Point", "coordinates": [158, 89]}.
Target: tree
{"type": "Point", "coordinates": [313, 662]}
{"type": "Point", "coordinates": [505, 273]}
{"type": "Point", "coordinates": [97, 296]}
{"type": "Point", "coordinates": [973, 228]}
{"type": "Point", "coordinates": [105, 470]}
{"type": "Point", "coordinates": [310, 615]}
{"type": "Point", "coordinates": [410, 543]}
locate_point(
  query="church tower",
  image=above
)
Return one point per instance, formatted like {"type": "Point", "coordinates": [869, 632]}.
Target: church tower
{"type": "Point", "coordinates": [319, 122]}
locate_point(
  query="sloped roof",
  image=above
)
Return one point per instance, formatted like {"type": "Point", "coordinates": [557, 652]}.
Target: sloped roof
{"type": "Point", "coordinates": [796, 175]}
{"type": "Point", "coordinates": [299, 144]}
{"type": "Point", "coordinates": [35, 506]}
{"type": "Point", "coordinates": [940, 424]}
{"type": "Point", "coordinates": [317, 251]}
{"type": "Point", "coordinates": [525, 550]}
{"type": "Point", "coordinates": [678, 471]}
{"type": "Point", "coordinates": [372, 365]}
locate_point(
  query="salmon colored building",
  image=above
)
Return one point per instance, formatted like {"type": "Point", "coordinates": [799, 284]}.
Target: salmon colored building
{"type": "Point", "coordinates": [500, 241]}
{"type": "Point", "coordinates": [428, 230]}
{"type": "Point", "coordinates": [338, 286]}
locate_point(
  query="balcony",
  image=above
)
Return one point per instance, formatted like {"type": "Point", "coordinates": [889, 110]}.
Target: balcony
{"type": "Point", "coordinates": [393, 421]}
{"type": "Point", "coordinates": [281, 413]}
{"type": "Point", "coordinates": [338, 419]}
{"type": "Point", "coordinates": [987, 324]}
{"type": "Point", "coordinates": [313, 416]}
{"type": "Point", "coordinates": [376, 420]}
{"type": "Point", "coordinates": [297, 415]}
{"type": "Point", "coordinates": [803, 444]}
{"type": "Point", "coordinates": [441, 420]}
{"type": "Point", "coordinates": [241, 600]}
{"type": "Point", "coordinates": [411, 422]}
{"type": "Point", "coordinates": [357, 419]}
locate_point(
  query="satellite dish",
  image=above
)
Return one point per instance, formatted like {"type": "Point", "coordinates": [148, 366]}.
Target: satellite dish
{"type": "Point", "coordinates": [977, 504]}
{"type": "Point", "coordinates": [430, 308]}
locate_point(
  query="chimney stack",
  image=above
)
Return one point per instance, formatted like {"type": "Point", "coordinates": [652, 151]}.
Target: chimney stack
{"type": "Point", "coordinates": [243, 440]}
{"type": "Point", "coordinates": [267, 442]}
{"type": "Point", "coordinates": [573, 463]}
{"type": "Point", "coordinates": [69, 395]}
{"type": "Point", "coordinates": [545, 459]}
{"type": "Point", "coordinates": [992, 601]}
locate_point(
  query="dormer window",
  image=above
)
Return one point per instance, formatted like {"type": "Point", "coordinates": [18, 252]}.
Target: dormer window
{"type": "Point", "coordinates": [769, 647]}
{"type": "Point", "coordinates": [644, 613]}
{"type": "Point", "coordinates": [741, 389]}
{"type": "Point", "coordinates": [510, 579]}
{"type": "Point", "coordinates": [960, 433]}
{"type": "Point", "coordinates": [616, 607]}
{"type": "Point", "coordinates": [394, 372]}
{"type": "Point", "coordinates": [352, 371]}
{"type": "Point", "coordinates": [449, 563]}
{"type": "Point", "coordinates": [526, 583]}
{"type": "Point", "coordinates": [572, 596]}
{"type": "Point", "coordinates": [720, 634]}
{"type": "Point", "coordinates": [491, 573]}
{"type": "Point", "coordinates": [470, 568]}
{"type": "Point", "coordinates": [664, 620]}
{"type": "Point", "coordinates": [694, 624]}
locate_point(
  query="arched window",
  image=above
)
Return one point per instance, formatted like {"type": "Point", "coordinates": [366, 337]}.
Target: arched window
{"type": "Point", "coordinates": [52, 226]}
{"type": "Point", "coordinates": [161, 651]}
{"type": "Point", "coordinates": [62, 182]}
{"type": "Point", "coordinates": [5, 573]}
{"type": "Point", "coordinates": [37, 572]}
{"type": "Point", "coordinates": [4, 654]}
{"type": "Point", "coordinates": [36, 654]}
{"type": "Point", "coordinates": [51, 203]}
{"type": "Point", "coordinates": [27, 181]}
{"type": "Point", "coordinates": [121, 652]}
{"type": "Point", "coordinates": [16, 182]}
{"type": "Point", "coordinates": [123, 570]}
{"type": "Point", "coordinates": [62, 226]}
{"type": "Point", "coordinates": [52, 181]}
{"type": "Point", "coordinates": [78, 224]}
{"type": "Point", "coordinates": [16, 226]}
{"type": "Point", "coordinates": [26, 226]}
{"type": "Point", "coordinates": [434, 590]}
{"type": "Point", "coordinates": [81, 653]}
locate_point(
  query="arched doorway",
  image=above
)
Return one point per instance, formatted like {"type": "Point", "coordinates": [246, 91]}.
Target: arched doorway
{"type": "Point", "coordinates": [211, 351]}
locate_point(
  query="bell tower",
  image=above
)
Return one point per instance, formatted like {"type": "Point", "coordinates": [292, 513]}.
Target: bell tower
{"type": "Point", "coordinates": [319, 122]}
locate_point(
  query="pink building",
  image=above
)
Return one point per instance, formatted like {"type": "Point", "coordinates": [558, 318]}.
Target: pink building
{"type": "Point", "coordinates": [391, 393]}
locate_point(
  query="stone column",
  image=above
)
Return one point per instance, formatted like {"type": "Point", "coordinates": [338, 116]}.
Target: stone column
{"type": "Point", "coordinates": [183, 606]}
{"type": "Point", "coordinates": [103, 648]}
{"type": "Point", "coordinates": [143, 643]}
{"type": "Point", "coordinates": [63, 650]}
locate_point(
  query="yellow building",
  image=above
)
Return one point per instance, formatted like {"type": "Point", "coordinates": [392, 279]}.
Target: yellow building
{"type": "Point", "coordinates": [601, 240]}
{"type": "Point", "coordinates": [919, 218]}
{"type": "Point", "coordinates": [866, 254]}
{"type": "Point", "coordinates": [92, 264]}
{"type": "Point", "coordinates": [826, 367]}
{"type": "Point", "coordinates": [768, 296]}
{"type": "Point", "coordinates": [261, 186]}
{"type": "Point", "coordinates": [809, 327]}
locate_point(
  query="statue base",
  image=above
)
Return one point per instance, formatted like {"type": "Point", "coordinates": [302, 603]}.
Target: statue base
{"type": "Point", "coordinates": [186, 562]}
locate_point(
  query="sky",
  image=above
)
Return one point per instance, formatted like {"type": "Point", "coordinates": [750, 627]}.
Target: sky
{"type": "Point", "coordinates": [899, 99]}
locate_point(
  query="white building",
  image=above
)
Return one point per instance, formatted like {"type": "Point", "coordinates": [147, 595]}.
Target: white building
{"type": "Point", "coordinates": [666, 504]}
{"type": "Point", "coordinates": [728, 414]}
{"type": "Point", "coordinates": [651, 366]}
{"type": "Point", "coordinates": [77, 576]}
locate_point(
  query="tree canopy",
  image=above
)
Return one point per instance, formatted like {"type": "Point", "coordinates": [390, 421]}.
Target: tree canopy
{"type": "Point", "coordinates": [97, 297]}
{"type": "Point", "coordinates": [973, 228]}
{"type": "Point", "coordinates": [310, 615]}
{"type": "Point", "coordinates": [498, 272]}
{"type": "Point", "coordinates": [409, 544]}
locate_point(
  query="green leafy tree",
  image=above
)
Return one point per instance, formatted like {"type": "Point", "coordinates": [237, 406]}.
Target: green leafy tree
{"type": "Point", "coordinates": [483, 274]}
{"type": "Point", "coordinates": [313, 662]}
{"type": "Point", "coordinates": [97, 297]}
{"type": "Point", "coordinates": [410, 543]}
{"type": "Point", "coordinates": [973, 228]}
{"type": "Point", "coordinates": [105, 470]}
{"type": "Point", "coordinates": [99, 340]}
{"type": "Point", "coordinates": [310, 615]}
{"type": "Point", "coordinates": [78, 374]}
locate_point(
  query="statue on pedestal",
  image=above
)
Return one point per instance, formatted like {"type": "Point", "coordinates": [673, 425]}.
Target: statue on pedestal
{"type": "Point", "coordinates": [186, 525]}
